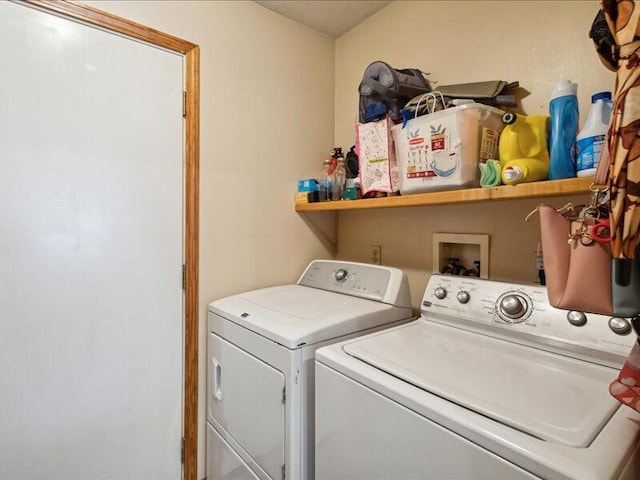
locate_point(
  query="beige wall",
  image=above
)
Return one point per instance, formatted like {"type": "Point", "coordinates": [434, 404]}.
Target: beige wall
{"type": "Point", "coordinates": [267, 120]}
{"type": "Point", "coordinates": [534, 42]}
{"type": "Point", "coordinates": [261, 130]}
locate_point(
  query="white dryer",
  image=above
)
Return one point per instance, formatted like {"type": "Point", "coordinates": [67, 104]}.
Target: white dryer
{"type": "Point", "coordinates": [490, 383]}
{"type": "Point", "coordinates": [261, 348]}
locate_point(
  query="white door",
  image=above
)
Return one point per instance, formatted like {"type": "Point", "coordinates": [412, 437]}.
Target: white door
{"type": "Point", "coordinates": [91, 219]}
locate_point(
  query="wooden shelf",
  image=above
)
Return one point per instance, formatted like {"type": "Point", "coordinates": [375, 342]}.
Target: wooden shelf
{"type": "Point", "coordinates": [549, 188]}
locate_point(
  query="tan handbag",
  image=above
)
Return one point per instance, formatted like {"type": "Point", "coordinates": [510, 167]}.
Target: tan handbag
{"type": "Point", "coordinates": [577, 266]}
{"type": "Point", "coordinates": [577, 269]}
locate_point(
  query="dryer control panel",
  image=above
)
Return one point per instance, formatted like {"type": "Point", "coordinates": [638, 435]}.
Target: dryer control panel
{"type": "Point", "coordinates": [373, 282]}
{"type": "Point", "coordinates": [522, 313]}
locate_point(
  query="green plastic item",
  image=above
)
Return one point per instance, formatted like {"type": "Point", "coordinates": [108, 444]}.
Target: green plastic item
{"type": "Point", "coordinates": [490, 173]}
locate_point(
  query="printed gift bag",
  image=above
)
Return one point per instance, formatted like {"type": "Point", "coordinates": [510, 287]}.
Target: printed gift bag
{"type": "Point", "coordinates": [377, 157]}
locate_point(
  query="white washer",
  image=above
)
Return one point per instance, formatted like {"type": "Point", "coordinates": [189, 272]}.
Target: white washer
{"type": "Point", "coordinates": [490, 383]}
{"type": "Point", "coordinates": [261, 348]}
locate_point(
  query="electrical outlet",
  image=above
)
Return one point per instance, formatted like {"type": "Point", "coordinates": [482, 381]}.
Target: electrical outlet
{"type": "Point", "coordinates": [376, 254]}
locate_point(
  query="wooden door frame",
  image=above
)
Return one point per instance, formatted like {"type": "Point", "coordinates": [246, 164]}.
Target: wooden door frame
{"type": "Point", "coordinates": [93, 16]}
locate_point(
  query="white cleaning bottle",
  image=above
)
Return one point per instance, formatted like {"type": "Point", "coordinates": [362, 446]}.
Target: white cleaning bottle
{"type": "Point", "coordinates": [591, 138]}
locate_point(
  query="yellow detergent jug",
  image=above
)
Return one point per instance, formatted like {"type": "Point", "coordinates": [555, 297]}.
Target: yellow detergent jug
{"type": "Point", "coordinates": [524, 154]}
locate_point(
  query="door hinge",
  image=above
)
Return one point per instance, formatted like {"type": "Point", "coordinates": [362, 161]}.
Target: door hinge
{"type": "Point", "coordinates": [184, 104]}
{"type": "Point", "coordinates": [283, 471]}
{"type": "Point", "coordinates": [184, 277]}
{"type": "Point", "coordinates": [182, 451]}
{"type": "Point", "coordinates": [284, 395]}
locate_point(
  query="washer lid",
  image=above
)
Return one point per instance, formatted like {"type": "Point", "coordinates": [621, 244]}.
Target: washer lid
{"type": "Point", "coordinates": [295, 315]}
{"type": "Point", "coordinates": [547, 395]}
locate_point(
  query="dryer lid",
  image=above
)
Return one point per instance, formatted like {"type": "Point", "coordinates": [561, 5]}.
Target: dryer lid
{"type": "Point", "coordinates": [296, 315]}
{"type": "Point", "coordinates": [550, 396]}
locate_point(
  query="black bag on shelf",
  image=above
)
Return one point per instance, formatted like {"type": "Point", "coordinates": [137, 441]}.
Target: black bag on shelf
{"type": "Point", "coordinates": [385, 90]}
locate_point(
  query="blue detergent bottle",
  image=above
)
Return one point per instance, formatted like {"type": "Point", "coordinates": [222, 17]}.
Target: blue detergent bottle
{"type": "Point", "coordinates": [563, 110]}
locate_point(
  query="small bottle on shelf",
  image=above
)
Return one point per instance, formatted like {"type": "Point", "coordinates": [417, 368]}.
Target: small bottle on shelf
{"type": "Point", "coordinates": [324, 183]}
{"type": "Point", "coordinates": [339, 179]}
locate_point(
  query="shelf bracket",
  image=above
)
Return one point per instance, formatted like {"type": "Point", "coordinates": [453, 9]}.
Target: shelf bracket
{"type": "Point", "coordinates": [325, 226]}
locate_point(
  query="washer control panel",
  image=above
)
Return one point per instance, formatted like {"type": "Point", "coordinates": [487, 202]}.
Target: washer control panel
{"type": "Point", "coordinates": [522, 310]}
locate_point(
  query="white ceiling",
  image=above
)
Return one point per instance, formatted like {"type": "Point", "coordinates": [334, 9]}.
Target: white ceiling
{"type": "Point", "coordinates": [331, 17]}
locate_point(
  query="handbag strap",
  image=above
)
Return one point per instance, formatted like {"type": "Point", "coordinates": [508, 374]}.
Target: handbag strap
{"type": "Point", "coordinates": [601, 179]}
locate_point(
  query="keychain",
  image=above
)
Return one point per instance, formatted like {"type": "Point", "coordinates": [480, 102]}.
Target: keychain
{"type": "Point", "coordinates": [601, 231]}
{"type": "Point", "coordinates": [592, 228]}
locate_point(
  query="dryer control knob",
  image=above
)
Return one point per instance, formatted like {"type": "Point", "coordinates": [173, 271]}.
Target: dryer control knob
{"type": "Point", "coordinates": [513, 306]}
{"type": "Point", "coordinates": [618, 325]}
{"type": "Point", "coordinates": [440, 293]}
{"type": "Point", "coordinates": [576, 318]}
{"type": "Point", "coordinates": [463, 297]}
{"type": "Point", "coordinates": [341, 275]}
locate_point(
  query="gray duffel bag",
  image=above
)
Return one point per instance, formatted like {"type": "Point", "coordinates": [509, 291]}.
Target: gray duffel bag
{"type": "Point", "coordinates": [385, 90]}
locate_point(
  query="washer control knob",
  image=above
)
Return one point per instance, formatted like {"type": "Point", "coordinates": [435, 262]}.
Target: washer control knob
{"type": "Point", "coordinates": [463, 297]}
{"type": "Point", "coordinates": [618, 325]}
{"type": "Point", "coordinates": [513, 306]}
{"type": "Point", "coordinates": [341, 275]}
{"type": "Point", "coordinates": [576, 318]}
{"type": "Point", "coordinates": [440, 293]}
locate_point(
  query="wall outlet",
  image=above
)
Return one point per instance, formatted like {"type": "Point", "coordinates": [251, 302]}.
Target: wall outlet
{"type": "Point", "coordinates": [376, 254]}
